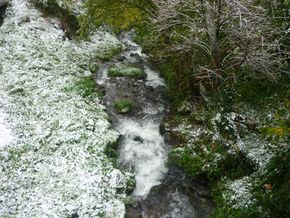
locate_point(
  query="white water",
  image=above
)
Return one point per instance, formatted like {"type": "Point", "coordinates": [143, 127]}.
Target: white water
{"type": "Point", "coordinates": [143, 151]}
{"type": "Point", "coordinates": [135, 49]}
{"type": "Point", "coordinates": [179, 207]}
{"type": "Point", "coordinates": [153, 79]}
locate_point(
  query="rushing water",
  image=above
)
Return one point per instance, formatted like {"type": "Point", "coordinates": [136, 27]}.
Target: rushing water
{"type": "Point", "coordinates": [159, 191]}
{"type": "Point", "coordinates": [142, 149]}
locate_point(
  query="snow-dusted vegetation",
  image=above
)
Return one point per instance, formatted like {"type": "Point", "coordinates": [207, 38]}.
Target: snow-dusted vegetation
{"type": "Point", "coordinates": [209, 134]}
{"type": "Point", "coordinates": [55, 166]}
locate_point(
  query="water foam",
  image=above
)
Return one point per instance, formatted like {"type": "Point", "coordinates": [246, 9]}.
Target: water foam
{"type": "Point", "coordinates": [143, 151]}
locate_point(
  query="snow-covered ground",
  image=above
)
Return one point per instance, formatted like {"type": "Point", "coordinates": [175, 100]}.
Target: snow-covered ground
{"type": "Point", "coordinates": [6, 136]}
{"type": "Point", "coordinates": [53, 162]}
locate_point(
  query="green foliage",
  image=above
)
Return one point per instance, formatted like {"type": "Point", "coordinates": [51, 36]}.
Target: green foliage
{"type": "Point", "coordinates": [87, 88]}
{"type": "Point", "coordinates": [118, 15]}
{"type": "Point", "coordinates": [276, 199]}
{"type": "Point", "coordinates": [123, 105]}
{"type": "Point", "coordinates": [17, 91]}
{"type": "Point", "coordinates": [112, 153]}
{"type": "Point", "coordinates": [177, 71]}
{"type": "Point", "coordinates": [225, 209]}
{"type": "Point", "coordinates": [271, 191]}
{"type": "Point", "coordinates": [121, 70]}
{"type": "Point", "coordinates": [212, 161]}
{"type": "Point", "coordinates": [278, 126]}
{"type": "Point", "coordinates": [110, 53]}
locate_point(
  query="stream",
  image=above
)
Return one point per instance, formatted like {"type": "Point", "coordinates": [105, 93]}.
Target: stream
{"type": "Point", "coordinates": [161, 190]}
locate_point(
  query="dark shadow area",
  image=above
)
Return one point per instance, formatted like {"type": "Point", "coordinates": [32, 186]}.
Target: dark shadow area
{"type": "Point", "coordinates": [68, 20]}
{"type": "Point", "coordinates": [2, 14]}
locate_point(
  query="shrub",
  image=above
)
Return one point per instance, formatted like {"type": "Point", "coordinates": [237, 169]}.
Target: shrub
{"type": "Point", "coordinates": [212, 161]}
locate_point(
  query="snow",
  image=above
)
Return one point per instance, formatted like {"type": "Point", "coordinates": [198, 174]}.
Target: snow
{"type": "Point", "coordinates": [75, 6]}
{"type": "Point", "coordinates": [56, 166]}
{"type": "Point", "coordinates": [6, 136]}
{"type": "Point", "coordinates": [239, 193]}
{"type": "Point", "coordinates": [256, 150]}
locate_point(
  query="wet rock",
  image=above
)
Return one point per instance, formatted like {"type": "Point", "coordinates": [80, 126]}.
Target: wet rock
{"type": "Point", "coordinates": [134, 211]}
{"type": "Point", "coordinates": [138, 60]}
{"type": "Point", "coordinates": [121, 58]}
{"type": "Point", "coordinates": [138, 139]}
{"type": "Point", "coordinates": [162, 128]}
{"type": "Point", "coordinates": [251, 124]}
{"type": "Point", "coordinates": [75, 215]}
{"type": "Point", "coordinates": [202, 190]}
{"type": "Point", "coordinates": [177, 196]}
{"type": "Point", "coordinates": [26, 19]}
{"type": "Point", "coordinates": [124, 110]}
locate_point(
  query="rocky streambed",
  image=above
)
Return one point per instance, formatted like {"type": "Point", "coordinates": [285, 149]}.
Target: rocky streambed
{"type": "Point", "coordinates": [161, 190]}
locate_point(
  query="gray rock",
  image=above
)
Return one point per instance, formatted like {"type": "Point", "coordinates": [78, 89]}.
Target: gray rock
{"type": "Point", "coordinates": [3, 2]}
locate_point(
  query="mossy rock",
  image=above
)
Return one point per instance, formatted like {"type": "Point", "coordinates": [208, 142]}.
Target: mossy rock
{"type": "Point", "coordinates": [121, 70]}
{"type": "Point", "coordinates": [124, 106]}
{"type": "Point", "coordinates": [110, 53]}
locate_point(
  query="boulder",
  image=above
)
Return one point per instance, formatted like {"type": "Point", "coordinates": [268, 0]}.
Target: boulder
{"type": "Point", "coordinates": [3, 2]}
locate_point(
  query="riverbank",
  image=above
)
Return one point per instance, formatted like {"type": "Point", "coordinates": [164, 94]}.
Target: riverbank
{"type": "Point", "coordinates": [56, 163]}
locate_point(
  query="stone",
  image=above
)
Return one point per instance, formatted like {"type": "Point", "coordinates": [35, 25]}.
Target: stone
{"type": "Point", "coordinates": [125, 110]}
{"type": "Point", "coordinates": [138, 139]}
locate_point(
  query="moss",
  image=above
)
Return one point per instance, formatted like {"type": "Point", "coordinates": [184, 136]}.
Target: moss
{"type": "Point", "coordinates": [121, 70]}
{"type": "Point", "coordinates": [122, 17]}
{"type": "Point", "coordinates": [109, 54]}
{"type": "Point", "coordinates": [124, 105]}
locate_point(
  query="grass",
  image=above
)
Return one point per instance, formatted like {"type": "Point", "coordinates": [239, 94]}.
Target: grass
{"type": "Point", "coordinates": [123, 105]}
{"type": "Point", "coordinates": [120, 70]}
{"type": "Point", "coordinates": [86, 87]}
{"type": "Point", "coordinates": [108, 55]}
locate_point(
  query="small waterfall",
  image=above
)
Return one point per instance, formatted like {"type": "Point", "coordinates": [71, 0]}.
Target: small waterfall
{"type": "Point", "coordinates": [143, 151]}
